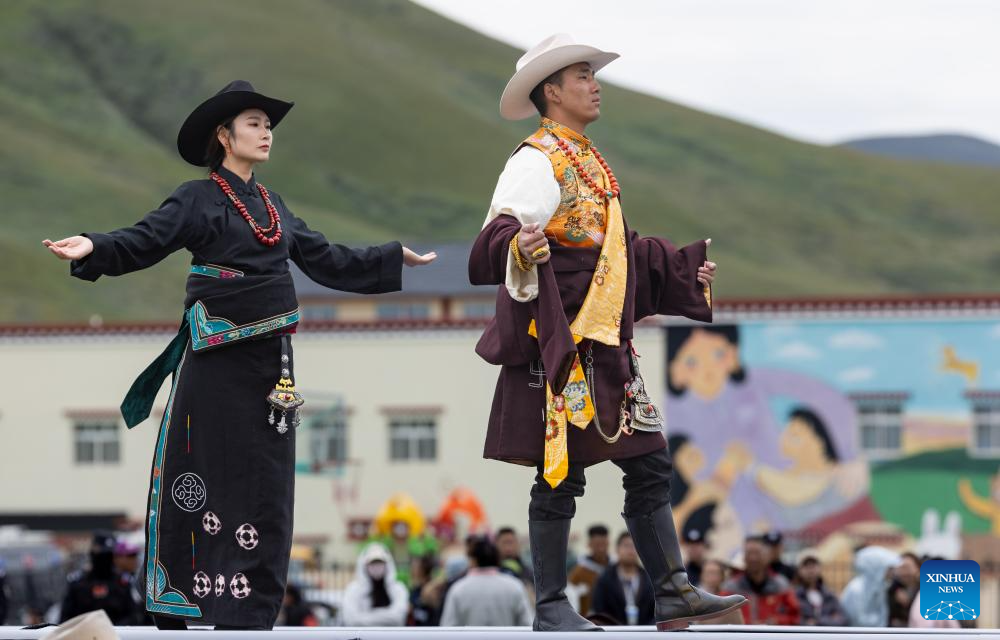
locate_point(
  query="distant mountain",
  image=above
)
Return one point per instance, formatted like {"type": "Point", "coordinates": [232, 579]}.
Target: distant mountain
{"type": "Point", "coordinates": [949, 148]}
{"type": "Point", "coordinates": [395, 134]}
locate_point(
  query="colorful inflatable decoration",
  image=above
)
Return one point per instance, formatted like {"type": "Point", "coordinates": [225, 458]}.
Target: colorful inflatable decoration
{"type": "Point", "coordinates": [461, 514]}
{"type": "Point", "coordinates": [401, 527]}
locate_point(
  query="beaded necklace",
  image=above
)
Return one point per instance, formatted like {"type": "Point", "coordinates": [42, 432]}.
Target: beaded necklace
{"type": "Point", "coordinates": [575, 160]}
{"type": "Point", "coordinates": [272, 213]}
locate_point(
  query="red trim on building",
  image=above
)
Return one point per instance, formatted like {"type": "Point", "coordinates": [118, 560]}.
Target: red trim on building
{"type": "Point", "coordinates": [889, 305]}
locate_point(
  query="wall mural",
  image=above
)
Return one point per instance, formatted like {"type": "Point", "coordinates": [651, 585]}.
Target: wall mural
{"type": "Point", "coordinates": [838, 431]}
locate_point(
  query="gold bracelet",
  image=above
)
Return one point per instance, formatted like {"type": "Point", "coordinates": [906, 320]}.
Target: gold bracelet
{"type": "Point", "coordinates": [515, 251]}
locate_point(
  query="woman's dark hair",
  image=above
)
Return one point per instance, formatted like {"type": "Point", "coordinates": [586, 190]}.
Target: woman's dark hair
{"type": "Point", "coordinates": [816, 425]}
{"type": "Point", "coordinates": [678, 336]}
{"type": "Point", "coordinates": [678, 485]}
{"type": "Point", "coordinates": [622, 536]}
{"type": "Point", "coordinates": [485, 553]}
{"type": "Point", "coordinates": [537, 95]}
{"type": "Point", "coordinates": [215, 153]}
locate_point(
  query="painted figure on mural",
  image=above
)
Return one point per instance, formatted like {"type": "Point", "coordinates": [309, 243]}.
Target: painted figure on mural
{"type": "Point", "coordinates": [749, 458]}
{"type": "Point", "coordinates": [573, 280]}
{"type": "Point", "coordinates": [219, 518]}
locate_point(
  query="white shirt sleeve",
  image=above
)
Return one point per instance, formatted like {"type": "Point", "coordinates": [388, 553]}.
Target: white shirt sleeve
{"type": "Point", "coordinates": [527, 191]}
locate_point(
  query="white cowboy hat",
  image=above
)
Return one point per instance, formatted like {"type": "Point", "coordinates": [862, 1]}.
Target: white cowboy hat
{"type": "Point", "coordinates": [539, 62]}
{"type": "Point", "coordinates": [89, 626]}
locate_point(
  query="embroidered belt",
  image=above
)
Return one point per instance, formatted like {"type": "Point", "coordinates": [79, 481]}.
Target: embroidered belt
{"type": "Point", "coordinates": [241, 299]}
{"type": "Point", "coordinates": [215, 271]}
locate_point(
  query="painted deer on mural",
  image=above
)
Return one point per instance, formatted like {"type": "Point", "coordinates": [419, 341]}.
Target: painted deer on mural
{"type": "Point", "coordinates": [966, 368]}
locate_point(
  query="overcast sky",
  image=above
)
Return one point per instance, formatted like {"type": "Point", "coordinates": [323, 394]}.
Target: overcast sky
{"type": "Point", "coordinates": [817, 70]}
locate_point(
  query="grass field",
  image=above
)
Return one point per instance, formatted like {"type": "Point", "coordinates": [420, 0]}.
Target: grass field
{"type": "Point", "coordinates": [396, 134]}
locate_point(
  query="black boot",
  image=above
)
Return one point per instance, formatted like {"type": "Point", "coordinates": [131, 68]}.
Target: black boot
{"type": "Point", "coordinates": [678, 602]}
{"type": "Point", "coordinates": [553, 612]}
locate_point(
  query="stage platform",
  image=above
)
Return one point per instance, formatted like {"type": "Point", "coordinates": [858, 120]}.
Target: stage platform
{"type": "Point", "coordinates": [704, 632]}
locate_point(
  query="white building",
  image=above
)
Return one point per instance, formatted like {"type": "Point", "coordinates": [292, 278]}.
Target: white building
{"type": "Point", "coordinates": [397, 400]}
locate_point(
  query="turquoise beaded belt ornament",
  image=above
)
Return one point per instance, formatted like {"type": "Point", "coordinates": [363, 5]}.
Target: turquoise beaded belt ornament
{"type": "Point", "coordinates": [215, 271]}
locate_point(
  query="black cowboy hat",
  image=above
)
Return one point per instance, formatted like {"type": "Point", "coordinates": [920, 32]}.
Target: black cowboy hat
{"type": "Point", "coordinates": [233, 99]}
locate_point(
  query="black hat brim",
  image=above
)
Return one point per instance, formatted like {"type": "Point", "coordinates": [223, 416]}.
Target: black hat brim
{"type": "Point", "coordinates": [192, 139]}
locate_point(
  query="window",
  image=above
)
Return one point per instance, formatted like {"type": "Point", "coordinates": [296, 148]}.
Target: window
{"type": "Point", "coordinates": [412, 438]}
{"type": "Point", "coordinates": [328, 436]}
{"type": "Point", "coordinates": [96, 441]}
{"type": "Point", "coordinates": [319, 312]}
{"type": "Point", "coordinates": [881, 425]}
{"type": "Point", "coordinates": [403, 311]}
{"type": "Point", "coordinates": [986, 421]}
{"type": "Point", "coordinates": [478, 309]}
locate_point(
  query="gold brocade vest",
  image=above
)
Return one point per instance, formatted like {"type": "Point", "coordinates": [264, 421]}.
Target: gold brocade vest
{"type": "Point", "coordinates": [584, 218]}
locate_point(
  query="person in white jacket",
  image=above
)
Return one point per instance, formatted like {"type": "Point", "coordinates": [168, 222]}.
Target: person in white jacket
{"type": "Point", "coordinates": [375, 598]}
{"type": "Point", "coordinates": [865, 598]}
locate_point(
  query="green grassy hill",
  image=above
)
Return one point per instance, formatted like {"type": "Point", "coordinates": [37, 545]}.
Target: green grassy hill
{"type": "Point", "coordinates": [396, 134]}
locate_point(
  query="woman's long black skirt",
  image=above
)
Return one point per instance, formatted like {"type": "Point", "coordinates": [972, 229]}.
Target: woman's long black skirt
{"type": "Point", "coordinates": [219, 516]}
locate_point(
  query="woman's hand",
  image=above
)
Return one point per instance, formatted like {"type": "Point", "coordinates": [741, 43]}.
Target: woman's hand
{"type": "Point", "coordinates": [75, 248]}
{"type": "Point", "coordinates": [413, 259]}
{"type": "Point", "coordinates": [531, 239]}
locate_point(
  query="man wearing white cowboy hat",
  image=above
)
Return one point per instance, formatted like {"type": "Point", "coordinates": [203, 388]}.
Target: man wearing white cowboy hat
{"type": "Point", "coordinates": [574, 281]}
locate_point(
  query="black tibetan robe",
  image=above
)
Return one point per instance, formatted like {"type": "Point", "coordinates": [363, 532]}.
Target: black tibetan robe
{"type": "Point", "coordinates": [219, 517]}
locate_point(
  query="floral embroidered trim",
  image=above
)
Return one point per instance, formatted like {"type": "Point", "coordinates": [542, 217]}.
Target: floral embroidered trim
{"type": "Point", "coordinates": [161, 597]}
{"type": "Point", "coordinates": [207, 331]}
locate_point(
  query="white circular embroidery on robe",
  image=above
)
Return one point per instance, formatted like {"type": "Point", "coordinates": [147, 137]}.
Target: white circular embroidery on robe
{"type": "Point", "coordinates": [211, 523]}
{"type": "Point", "coordinates": [188, 492]}
{"type": "Point", "coordinates": [220, 585]}
{"type": "Point", "coordinates": [247, 536]}
{"type": "Point", "coordinates": [239, 586]}
{"type": "Point", "coordinates": [202, 584]}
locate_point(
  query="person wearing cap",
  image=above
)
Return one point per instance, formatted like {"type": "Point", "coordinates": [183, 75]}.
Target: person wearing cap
{"type": "Point", "coordinates": [219, 519]}
{"type": "Point", "coordinates": [100, 587]}
{"type": "Point", "coordinates": [573, 280]}
{"type": "Point", "coordinates": [695, 548]}
{"type": "Point", "coordinates": [775, 542]}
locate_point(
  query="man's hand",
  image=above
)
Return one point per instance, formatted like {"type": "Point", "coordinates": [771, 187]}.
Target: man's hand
{"type": "Point", "coordinates": [74, 248]}
{"type": "Point", "coordinates": [413, 259]}
{"type": "Point", "coordinates": [529, 240]}
{"type": "Point", "coordinates": [706, 272]}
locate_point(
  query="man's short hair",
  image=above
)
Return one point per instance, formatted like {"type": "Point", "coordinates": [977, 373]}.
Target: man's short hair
{"type": "Point", "coordinates": [597, 530]}
{"type": "Point", "coordinates": [502, 531]}
{"type": "Point", "coordinates": [485, 553]}
{"type": "Point", "coordinates": [537, 95]}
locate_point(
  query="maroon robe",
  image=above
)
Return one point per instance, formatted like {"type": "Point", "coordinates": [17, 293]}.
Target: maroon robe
{"type": "Point", "coordinates": [661, 280]}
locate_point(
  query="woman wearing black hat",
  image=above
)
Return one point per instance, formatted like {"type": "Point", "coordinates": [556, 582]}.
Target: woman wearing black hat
{"type": "Point", "coordinates": [219, 521]}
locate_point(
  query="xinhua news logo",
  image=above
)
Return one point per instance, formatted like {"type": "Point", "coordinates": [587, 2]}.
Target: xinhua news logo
{"type": "Point", "coordinates": [949, 590]}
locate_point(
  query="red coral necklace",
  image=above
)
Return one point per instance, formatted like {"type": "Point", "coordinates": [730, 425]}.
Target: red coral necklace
{"type": "Point", "coordinates": [575, 160]}
{"type": "Point", "coordinates": [272, 213]}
